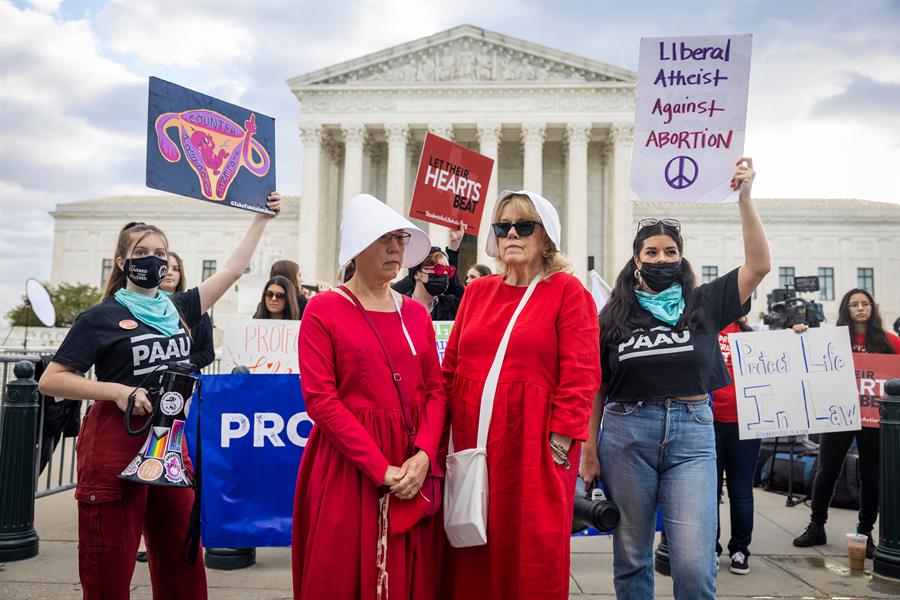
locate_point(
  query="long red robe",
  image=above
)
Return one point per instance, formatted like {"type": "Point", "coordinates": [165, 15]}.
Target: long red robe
{"type": "Point", "coordinates": [358, 432]}
{"type": "Point", "coordinates": [549, 378]}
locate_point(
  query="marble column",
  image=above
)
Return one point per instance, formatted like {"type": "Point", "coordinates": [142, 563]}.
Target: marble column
{"type": "Point", "coordinates": [620, 231]}
{"type": "Point", "coordinates": [533, 135]}
{"type": "Point", "coordinates": [489, 145]}
{"type": "Point", "coordinates": [310, 201]}
{"type": "Point", "coordinates": [354, 138]}
{"type": "Point", "coordinates": [604, 266]}
{"type": "Point", "coordinates": [439, 233]}
{"type": "Point", "coordinates": [575, 228]}
{"type": "Point", "coordinates": [397, 135]}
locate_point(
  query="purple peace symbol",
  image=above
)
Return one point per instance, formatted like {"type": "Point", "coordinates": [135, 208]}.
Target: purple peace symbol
{"type": "Point", "coordinates": [681, 172]}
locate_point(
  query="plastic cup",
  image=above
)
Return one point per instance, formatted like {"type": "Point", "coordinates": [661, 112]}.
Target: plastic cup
{"type": "Point", "coordinates": [856, 550]}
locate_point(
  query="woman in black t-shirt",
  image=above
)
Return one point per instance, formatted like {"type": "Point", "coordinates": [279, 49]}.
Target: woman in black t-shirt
{"type": "Point", "coordinates": [132, 333]}
{"type": "Point", "coordinates": [202, 351]}
{"type": "Point", "coordinates": [660, 360]}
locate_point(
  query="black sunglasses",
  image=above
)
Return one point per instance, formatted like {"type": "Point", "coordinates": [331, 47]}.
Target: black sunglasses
{"type": "Point", "coordinates": [523, 228]}
{"type": "Point", "coordinates": [674, 223]}
{"type": "Point", "coordinates": [275, 295]}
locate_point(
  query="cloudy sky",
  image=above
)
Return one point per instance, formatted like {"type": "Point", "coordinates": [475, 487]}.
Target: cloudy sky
{"type": "Point", "coordinates": [824, 111]}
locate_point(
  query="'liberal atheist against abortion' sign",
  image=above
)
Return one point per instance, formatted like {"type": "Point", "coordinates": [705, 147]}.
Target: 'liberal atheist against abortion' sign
{"type": "Point", "coordinates": [690, 118]}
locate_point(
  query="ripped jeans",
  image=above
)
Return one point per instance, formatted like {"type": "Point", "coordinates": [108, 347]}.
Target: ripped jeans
{"type": "Point", "coordinates": [662, 453]}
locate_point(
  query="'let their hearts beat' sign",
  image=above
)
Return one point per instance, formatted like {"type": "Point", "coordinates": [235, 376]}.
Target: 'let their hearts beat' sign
{"type": "Point", "coordinates": [789, 384]}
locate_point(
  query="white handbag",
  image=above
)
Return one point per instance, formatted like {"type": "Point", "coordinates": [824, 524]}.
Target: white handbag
{"type": "Point", "coordinates": [466, 482]}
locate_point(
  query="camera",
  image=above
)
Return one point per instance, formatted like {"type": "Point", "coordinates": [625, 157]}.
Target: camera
{"type": "Point", "coordinates": [595, 510]}
{"type": "Point", "coordinates": [786, 308]}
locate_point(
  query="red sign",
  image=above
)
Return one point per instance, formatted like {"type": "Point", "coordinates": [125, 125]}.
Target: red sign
{"type": "Point", "coordinates": [451, 184]}
{"type": "Point", "coordinates": [872, 371]}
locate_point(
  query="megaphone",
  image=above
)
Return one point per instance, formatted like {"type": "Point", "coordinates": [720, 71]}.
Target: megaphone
{"type": "Point", "coordinates": [160, 461]}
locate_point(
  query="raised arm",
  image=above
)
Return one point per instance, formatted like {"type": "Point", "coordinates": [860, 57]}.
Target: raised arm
{"type": "Point", "coordinates": [216, 285]}
{"type": "Point", "coordinates": [757, 262]}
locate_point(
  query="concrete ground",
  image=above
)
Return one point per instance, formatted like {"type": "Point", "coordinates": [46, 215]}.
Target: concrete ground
{"type": "Point", "coordinates": [778, 569]}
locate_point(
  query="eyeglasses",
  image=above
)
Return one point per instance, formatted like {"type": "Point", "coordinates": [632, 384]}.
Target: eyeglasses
{"type": "Point", "coordinates": [523, 228]}
{"type": "Point", "coordinates": [275, 295]}
{"type": "Point", "coordinates": [445, 270]}
{"type": "Point", "coordinates": [402, 238]}
{"type": "Point", "coordinates": [674, 223]}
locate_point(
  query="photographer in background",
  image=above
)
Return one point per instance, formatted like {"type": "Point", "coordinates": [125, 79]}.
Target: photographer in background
{"type": "Point", "coordinates": [860, 313]}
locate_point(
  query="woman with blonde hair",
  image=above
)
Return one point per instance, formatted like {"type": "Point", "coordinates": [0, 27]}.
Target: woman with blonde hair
{"type": "Point", "coordinates": [538, 411]}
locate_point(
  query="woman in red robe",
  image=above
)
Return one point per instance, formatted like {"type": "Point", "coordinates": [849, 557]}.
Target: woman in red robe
{"type": "Point", "coordinates": [358, 456]}
{"type": "Point", "coordinates": [542, 404]}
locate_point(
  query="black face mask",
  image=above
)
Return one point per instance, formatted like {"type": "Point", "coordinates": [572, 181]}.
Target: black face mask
{"type": "Point", "coordinates": [147, 271]}
{"type": "Point", "coordinates": [661, 276]}
{"type": "Point", "coordinates": [437, 284]}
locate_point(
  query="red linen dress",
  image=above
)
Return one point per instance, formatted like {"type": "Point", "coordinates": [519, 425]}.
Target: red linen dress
{"type": "Point", "coordinates": [549, 379]}
{"type": "Point", "coordinates": [359, 430]}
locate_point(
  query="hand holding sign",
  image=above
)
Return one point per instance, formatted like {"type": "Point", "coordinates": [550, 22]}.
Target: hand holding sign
{"type": "Point", "coordinates": [743, 176]}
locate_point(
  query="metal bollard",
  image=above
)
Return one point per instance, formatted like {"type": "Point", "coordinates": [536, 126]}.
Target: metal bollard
{"type": "Point", "coordinates": [661, 556]}
{"type": "Point", "coordinates": [18, 453]}
{"type": "Point", "coordinates": [887, 556]}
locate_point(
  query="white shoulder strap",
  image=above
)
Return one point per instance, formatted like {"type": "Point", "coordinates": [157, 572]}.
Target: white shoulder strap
{"type": "Point", "coordinates": [490, 385]}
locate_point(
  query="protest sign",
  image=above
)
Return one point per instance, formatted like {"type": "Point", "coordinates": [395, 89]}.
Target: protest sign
{"type": "Point", "coordinates": [451, 184]}
{"type": "Point", "coordinates": [789, 384]}
{"type": "Point", "coordinates": [872, 371]}
{"type": "Point", "coordinates": [265, 346]}
{"type": "Point", "coordinates": [227, 153]}
{"type": "Point", "coordinates": [441, 335]}
{"type": "Point", "coordinates": [690, 118]}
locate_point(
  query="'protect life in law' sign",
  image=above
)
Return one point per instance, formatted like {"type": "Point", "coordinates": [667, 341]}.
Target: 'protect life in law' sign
{"type": "Point", "coordinates": [690, 118]}
{"type": "Point", "coordinates": [789, 384]}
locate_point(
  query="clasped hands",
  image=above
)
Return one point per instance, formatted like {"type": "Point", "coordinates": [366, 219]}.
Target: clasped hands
{"type": "Point", "coordinates": [405, 481]}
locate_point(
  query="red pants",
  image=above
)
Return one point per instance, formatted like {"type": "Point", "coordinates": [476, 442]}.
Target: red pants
{"type": "Point", "coordinates": [112, 515]}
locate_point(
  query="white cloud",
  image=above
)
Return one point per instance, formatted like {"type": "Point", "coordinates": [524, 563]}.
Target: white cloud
{"type": "Point", "coordinates": [47, 6]}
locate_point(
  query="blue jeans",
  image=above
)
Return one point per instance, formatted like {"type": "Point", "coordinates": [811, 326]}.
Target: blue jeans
{"type": "Point", "coordinates": [662, 454]}
{"type": "Point", "coordinates": [736, 458]}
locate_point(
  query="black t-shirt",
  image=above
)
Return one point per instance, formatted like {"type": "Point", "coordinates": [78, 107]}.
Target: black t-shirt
{"type": "Point", "coordinates": [659, 361]}
{"type": "Point", "coordinates": [121, 348]}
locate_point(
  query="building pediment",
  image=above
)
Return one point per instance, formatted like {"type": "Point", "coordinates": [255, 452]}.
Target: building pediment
{"type": "Point", "coordinates": [464, 55]}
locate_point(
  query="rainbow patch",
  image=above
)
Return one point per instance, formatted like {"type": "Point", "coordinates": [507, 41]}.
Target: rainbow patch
{"type": "Point", "coordinates": [158, 440]}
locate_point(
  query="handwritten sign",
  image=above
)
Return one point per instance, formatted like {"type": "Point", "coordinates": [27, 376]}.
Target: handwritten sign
{"type": "Point", "coordinates": [790, 384]}
{"type": "Point", "coordinates": [202, 147]}
{"type": "Point", "coordinates": [690, 117]}
{"type": "Point", "coordinates": [451, 184]}
{"type": "Point", "coordinates": [872, 371]}
{"type": "Point", "coordinates": [265, 346]}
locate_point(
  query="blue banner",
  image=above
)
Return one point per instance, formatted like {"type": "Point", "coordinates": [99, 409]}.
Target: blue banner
{"type": "Point", "coordinates": [253, 431]}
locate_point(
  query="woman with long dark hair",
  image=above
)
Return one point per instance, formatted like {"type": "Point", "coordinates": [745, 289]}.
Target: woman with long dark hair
{"type": "Point", "coordinates": [660, 359]}
{"type": "Point", "coordinates": [278, 301]}
{"type": "Point", "coordinates": [202, 351]}
{"type": "Point", "coordinates": [859, 312]}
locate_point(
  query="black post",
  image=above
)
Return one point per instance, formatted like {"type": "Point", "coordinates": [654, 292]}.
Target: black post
{"type": "Point", "coordinates": [661, 556]}
{"type": "Point", "coordinates": [887, 556]}
{"type": "Point", "coordinates": [18, 452]}
{"type": "Point", "coordinates": [228, 559]}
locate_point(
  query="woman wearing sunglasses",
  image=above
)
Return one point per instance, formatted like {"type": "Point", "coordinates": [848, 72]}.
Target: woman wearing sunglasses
{"type": "Point", "coordinates": [541, 405]}
{"type": "Point", "coordinates": [279, 300]}
{"type": "Point", "coordinates": [660, 360]}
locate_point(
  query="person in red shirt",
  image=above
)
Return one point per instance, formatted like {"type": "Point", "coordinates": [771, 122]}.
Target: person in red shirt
{"type": "Point", "coordinates": [542, 403]}
{"type": "Point", "coordinates": [378, 423]}
{"type": "Point", "coordinates": [735, 458]}
{"type": "Point", "coordinates": [858, 311]}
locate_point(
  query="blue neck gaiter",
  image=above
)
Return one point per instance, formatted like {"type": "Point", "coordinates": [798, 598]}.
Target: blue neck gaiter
{"type": "Point", "coordinates": [667, 306]}
{"type": "Point", "coordinates": [158, 313]}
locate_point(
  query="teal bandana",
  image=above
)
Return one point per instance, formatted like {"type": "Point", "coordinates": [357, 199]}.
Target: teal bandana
{"type": "Point", "coordinates": [666, 306]}
{"type": "Point", "coordinates": [158, 313]}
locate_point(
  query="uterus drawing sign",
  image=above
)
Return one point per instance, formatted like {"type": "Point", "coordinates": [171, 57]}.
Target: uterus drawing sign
{"type": "Point", "coordinates": [206, 148]}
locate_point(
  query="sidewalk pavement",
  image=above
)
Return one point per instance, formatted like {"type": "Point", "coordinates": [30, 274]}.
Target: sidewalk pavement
{"type": "Point", "coordinates": [778, 569]}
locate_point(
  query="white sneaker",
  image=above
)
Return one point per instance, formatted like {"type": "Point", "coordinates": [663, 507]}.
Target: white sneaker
{"type": "Point", "coordinates": [740, 564]}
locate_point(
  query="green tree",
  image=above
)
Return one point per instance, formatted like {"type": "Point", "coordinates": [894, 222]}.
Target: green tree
{"type": "Point", "coordinates": [69, 299]}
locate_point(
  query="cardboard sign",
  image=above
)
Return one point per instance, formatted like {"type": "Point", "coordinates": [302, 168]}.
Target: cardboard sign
{"type": "Point", "coordinates": [872, 371]}
{"type": "Point", "coordinates": [690, 117]}
{"type": "Point", "coordinates": [205, 148]}
{"type": "Point", "coordinates": [789, 384]}
{"type": "Point", "coordinates": [451, 184]}
{"type": "Point", "coordinates": [265, 346]}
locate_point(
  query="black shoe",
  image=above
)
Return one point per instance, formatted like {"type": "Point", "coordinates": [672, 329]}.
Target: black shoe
{"type": "Point", "coordinates": [813, 536]}
{"type": "Point", "coordinates": [740, 563]}
{"type": "Point", "coordinates": [870, 546]}
{"type": "Point", "coordinates": [141, 556]}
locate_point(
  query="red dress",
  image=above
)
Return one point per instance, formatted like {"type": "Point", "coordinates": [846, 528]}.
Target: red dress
{"type": "Point", "coordinates": [358, 432]}
{"type": "Point", "coordinates": [548, 382]}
